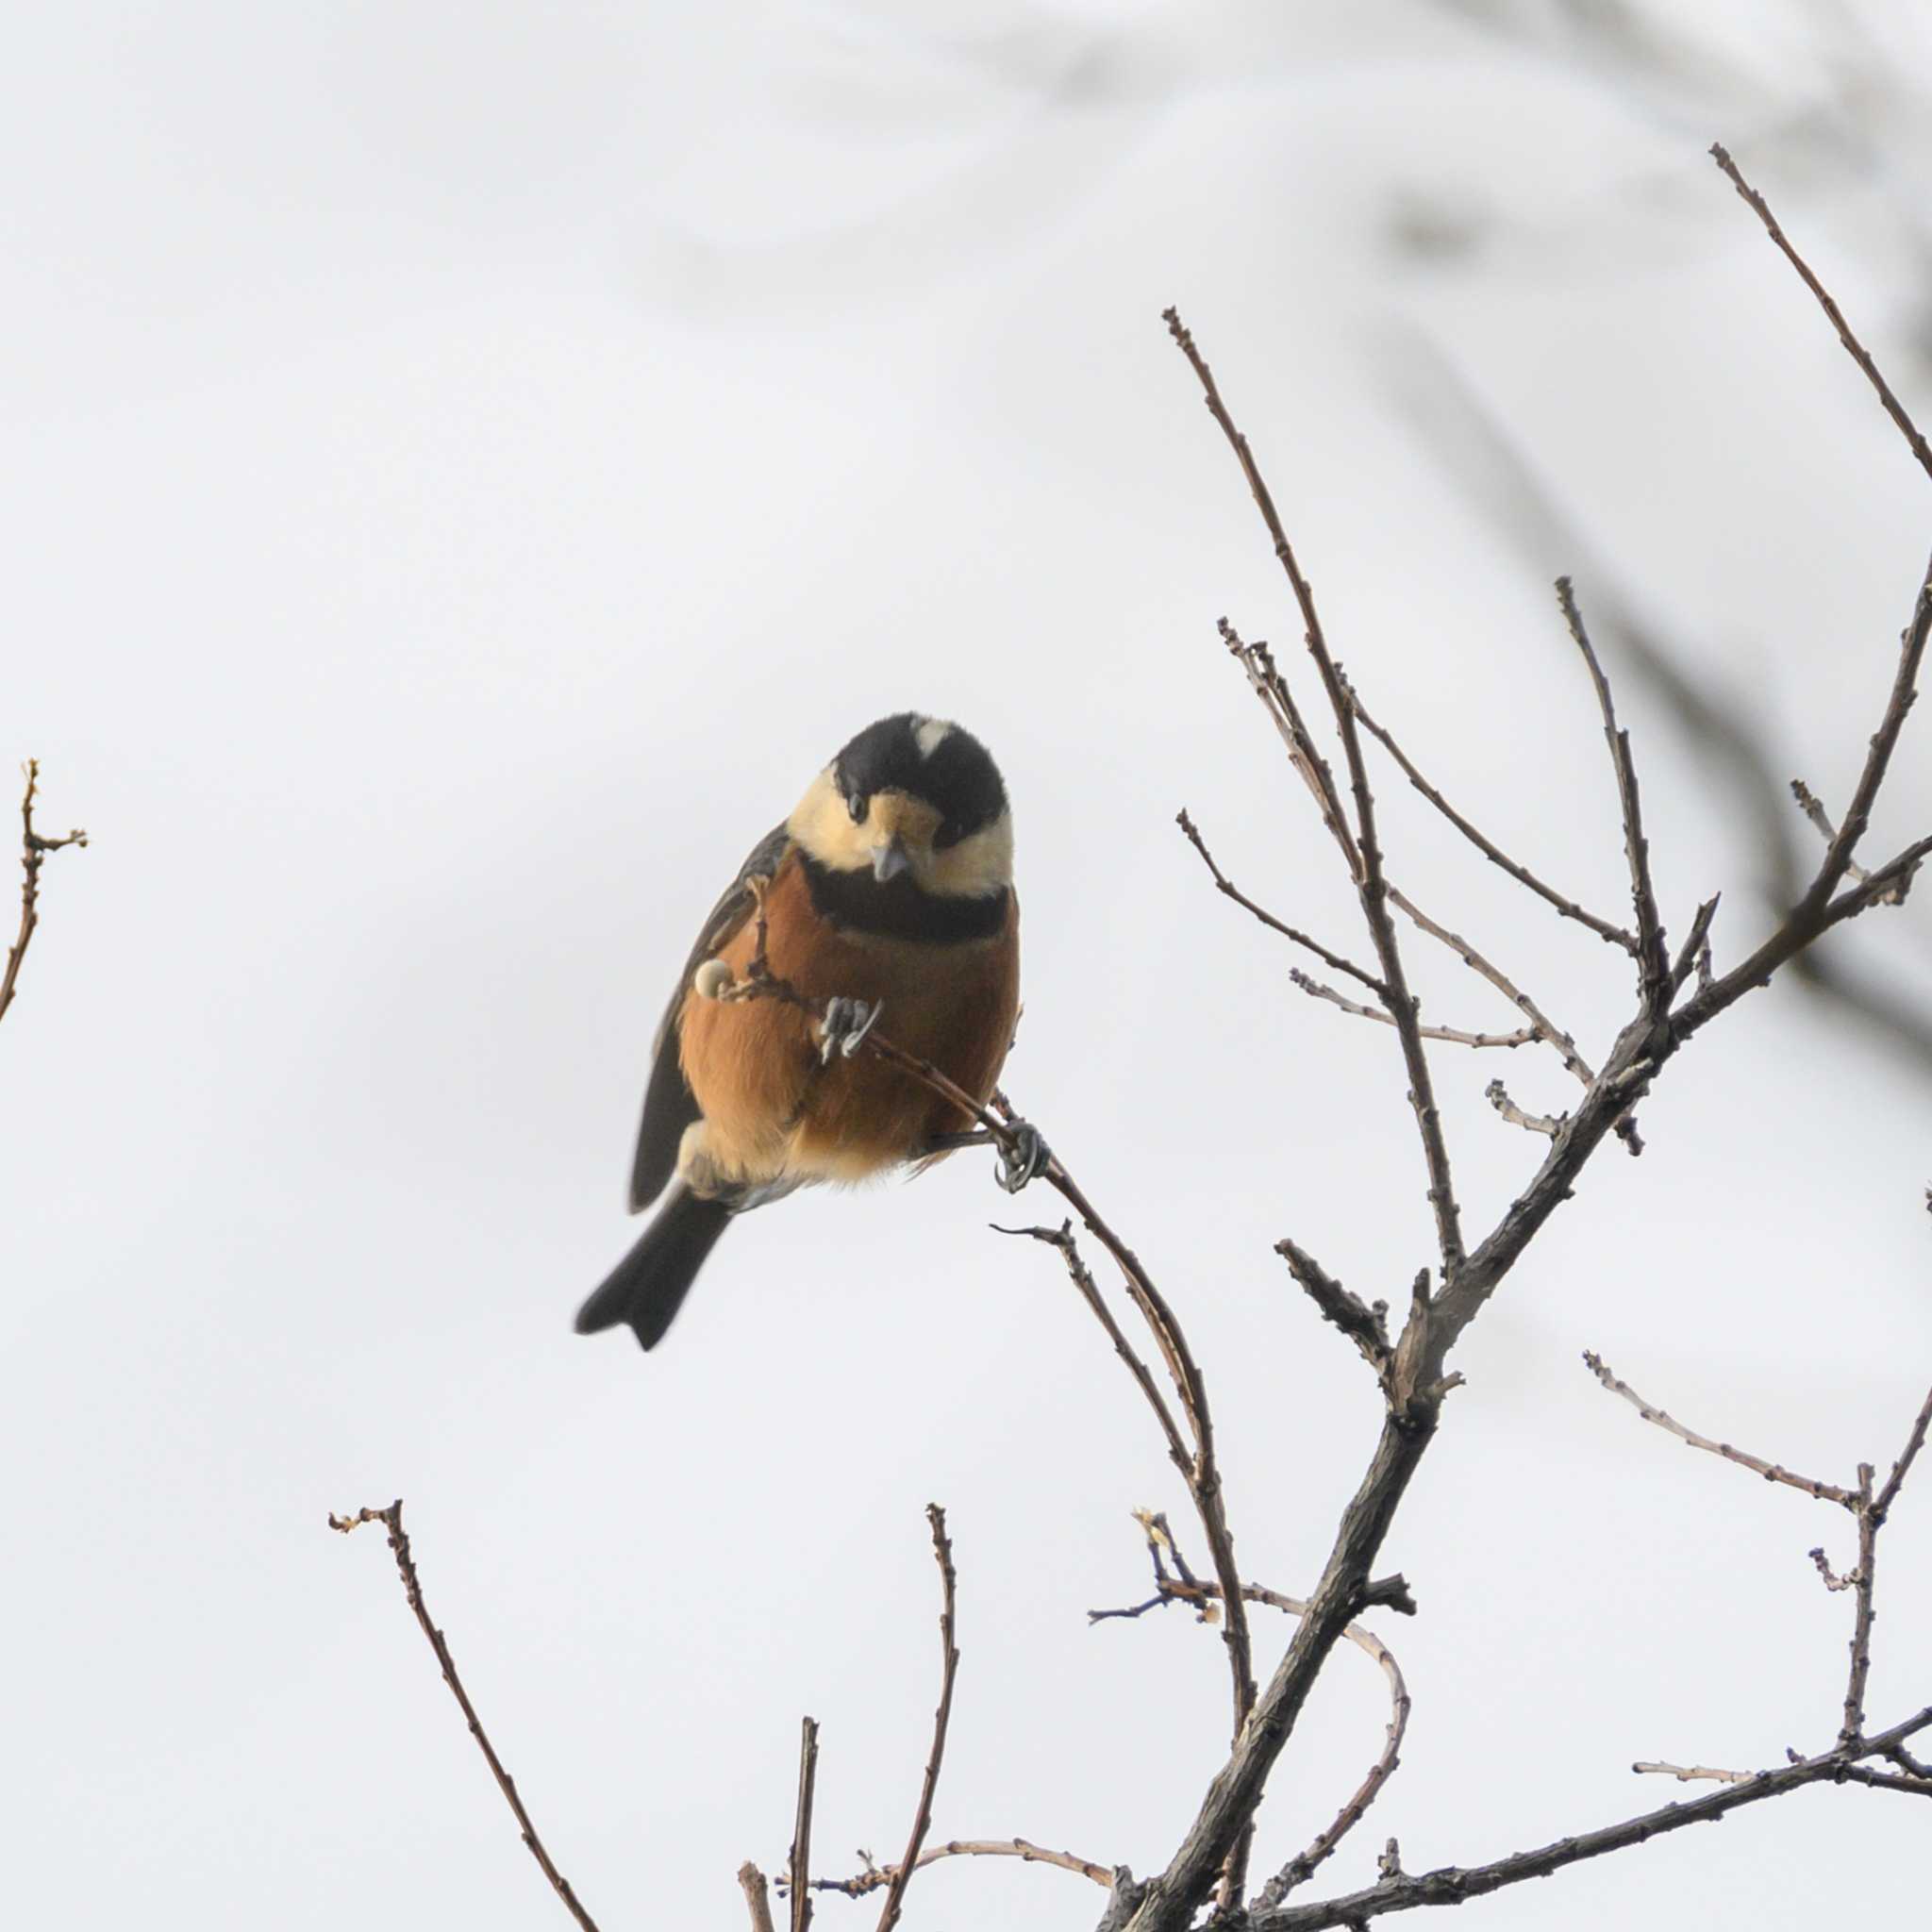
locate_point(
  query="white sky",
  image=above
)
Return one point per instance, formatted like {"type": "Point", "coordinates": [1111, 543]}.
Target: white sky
{"type": "Point", "coordinates": [469, 465]}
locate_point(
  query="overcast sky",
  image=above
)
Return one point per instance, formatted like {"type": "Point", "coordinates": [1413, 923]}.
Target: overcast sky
{"type": "Point", "coordinates": [469, 465]}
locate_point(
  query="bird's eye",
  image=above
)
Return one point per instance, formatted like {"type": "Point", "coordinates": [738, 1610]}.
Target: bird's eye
{"type": "Point", "coordinates": [854, 804]}
{"type": "Point", "coordinates": [950, 832]}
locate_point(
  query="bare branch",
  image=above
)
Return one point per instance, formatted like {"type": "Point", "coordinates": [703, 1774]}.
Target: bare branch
{"type": "Point", "coordinates": [1770, 1472]}
{"type": "Point", "coordinates": [1653, 968]}
{"type": "Point", "coordinates": [872, 1879]}
{"type": "Point", "coordinates": [1185, 1588]}
{"type": "Point", "coordinates": [34, 848]}
{"type": "Point", "coordinates": [1333, 960]}
{"type": "Point", "coordinates": [1498, 1097]}
{"type": "Point", "coordinates": [757, 1897]}
{"type": "Point", "coordinates": [798, 1866]}
{"type": "Point", "coordinates": [949, 1669]}
{"type": "Point", "coordinates": [391, 1519]}
{"type": "Point", "coordinates": [1454, 1036]}
{"type": "Point", "coordinates": [1371, 886]}
{"type": "Point", "coordinates": [1486, 846]}
{"type": "Point", "coordinates": [1455, 1885]}
{"type": "Point", "coordinates": [1853, 347]}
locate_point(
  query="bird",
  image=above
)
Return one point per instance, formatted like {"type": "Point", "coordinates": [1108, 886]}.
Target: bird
{"type": "Point", "coordinates": [888, 891]}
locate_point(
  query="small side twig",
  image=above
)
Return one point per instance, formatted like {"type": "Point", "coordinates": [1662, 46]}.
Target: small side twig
{"type": "Point", "coordinates": [1697, 1774]}
{"type": "Point", "coordinates": [1770, 1472]}
{"type": "Point", "coordinates": [1654, 975]}
{"type": "Point", "coordinates": [1832, 1580]}
{"type": "Point", "coordinates": [798, 1867]}
{"type": "Point", "coordinates": [391, 1519]}
{"type": "Point", "coordinates": [949, 1670]}
{"type": "Point", "coordinates": [1695, 951]}
{"type": "Point", "coordinates": [1226, 886]}
{"type": "Point", "coordinates": [1365, 1323]}
{"type": "Point", "coordinates": [34, 847]}
{"type": "Point", "coordinates": [1454, 1036]}
{"type": "Point", "coordinates": [1498, 1097]}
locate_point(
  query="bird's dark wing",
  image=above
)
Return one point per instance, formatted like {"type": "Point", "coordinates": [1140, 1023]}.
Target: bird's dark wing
{"type": "Point", "coordinates": [670, 1107]}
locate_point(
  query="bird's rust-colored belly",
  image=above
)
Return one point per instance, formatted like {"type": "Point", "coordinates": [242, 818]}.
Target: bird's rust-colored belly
{"type": "Point", "coordinates": [772, 1111]}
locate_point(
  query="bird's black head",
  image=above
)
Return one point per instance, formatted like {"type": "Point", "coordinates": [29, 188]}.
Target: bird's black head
{"type": "Point", "coordinates": [925, 758]}
{"type": "Point", "coordinates": [913, 801]}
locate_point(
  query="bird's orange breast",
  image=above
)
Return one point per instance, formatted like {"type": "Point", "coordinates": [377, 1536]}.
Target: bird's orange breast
{"type": "Point", "coordinates": [771, 1110]}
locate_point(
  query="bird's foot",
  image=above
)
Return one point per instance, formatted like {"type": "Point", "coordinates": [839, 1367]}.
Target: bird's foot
{"type": "Point", "coordinates": [1025, 1161]}
{"type": "Point", "coordinates": [844, 1026]}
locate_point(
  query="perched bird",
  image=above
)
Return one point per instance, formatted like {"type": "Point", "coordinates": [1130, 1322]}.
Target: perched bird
{"type": "Point", "coordinates": [890, 889]}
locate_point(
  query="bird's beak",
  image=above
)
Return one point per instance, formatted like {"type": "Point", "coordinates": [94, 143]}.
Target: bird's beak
{"type": "Point", "coordinates": [890, 860]}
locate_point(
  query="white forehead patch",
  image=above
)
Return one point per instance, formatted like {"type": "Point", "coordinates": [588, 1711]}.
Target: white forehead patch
{"type": "Point", "coordinates": [929, 734]}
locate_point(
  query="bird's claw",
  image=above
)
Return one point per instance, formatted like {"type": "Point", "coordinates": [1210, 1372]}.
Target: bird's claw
{"type": "Point", "coordinates": [1027, 1160]}
{"type": "Point", "coordinates": [844, 1026]}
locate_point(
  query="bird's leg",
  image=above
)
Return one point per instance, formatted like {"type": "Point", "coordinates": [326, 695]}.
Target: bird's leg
{"type": "Point", "coordinates": [1026, 1161]}
{"type": "Point", "coordinates": [846, 1024]}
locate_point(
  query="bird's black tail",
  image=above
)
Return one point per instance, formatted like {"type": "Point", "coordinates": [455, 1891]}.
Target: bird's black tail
{"type": "Point", "coordinates": [648, 1287]}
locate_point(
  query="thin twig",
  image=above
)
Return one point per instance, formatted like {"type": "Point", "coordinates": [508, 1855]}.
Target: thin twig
{"type": "Point", "coordinates": [391, 1519]}
{"type": "Point", "coordinates": [1454, 1036]}
{"type": "Point", "coordinates": [1915, 1441]}
{"type": "Point", "coordinates": [1266, 681]}
{"type": "Point", "coordinates": [1857, 350]}
{"type": "Point", "coordinates": [757, 1897]}
{"type": "Point", "coordinates": [1062, 1239]}
{"type": "Point", "coordinates": [1370, 885]}
{"type": "Point", "coordinates": [1225, 885]}
{"type": "Point", "coordinates": [34, 848]}
{"type": "Point", "coordinates": [1486, 846]}
{"type": "Point", "coordinates": [798, 1867]}
{"type": "Point", "coordinates": [872, 1879]}
{"type": "Point", "coordinates": [1653, 970]}
{"type": "Point", "coordinates": [1770, 1472]}
{"type": "Point", "coordinates": [949, 1669]}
